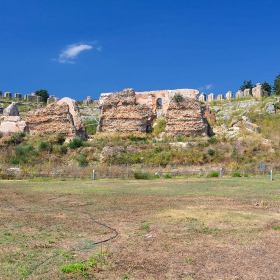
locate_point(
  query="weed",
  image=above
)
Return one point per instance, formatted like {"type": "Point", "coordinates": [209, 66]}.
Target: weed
{"type": "Point", "coordinates": [167, 176]}
{"type": "Point", "coordinates": [145, 226]}
{"type": "Point", "coordinates": [7, 233]}
{"type": "Point", "coordinates": [125, 276]}
{"type": "Point", "coordinates": [246, 175]}
{"type": "Point", "coordinates": [73, 268]}
{"type": "Point", "coordinates": [189, 260]}
{"type": "Point", "coordinates": [24, 272]}
{"type": "Point", "coordinates": [277, 227]}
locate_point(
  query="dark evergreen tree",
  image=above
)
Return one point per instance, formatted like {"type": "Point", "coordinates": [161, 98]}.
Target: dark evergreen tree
{"type": "Point", "coordinates": [267, 88]}
{"type": "Point", "coordinates": [43, 93]}
{"type": "Point", "coordinates": [276, 86]}
{"type": "Point", "coordinates": [247, 84]}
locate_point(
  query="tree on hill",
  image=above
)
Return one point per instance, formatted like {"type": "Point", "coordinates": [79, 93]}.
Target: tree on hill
{"type": "Point", "coordinates": [43, 93]}
{"type": "Point", "coordinates": [267, 88]}
{"type": "Point", "coordinates": [247, 84]}
{"type": "Point", "coordinates": [276, 86]}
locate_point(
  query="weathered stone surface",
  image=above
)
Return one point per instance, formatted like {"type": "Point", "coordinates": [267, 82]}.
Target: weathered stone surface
{"type": "Point", "coordinates": [11, 110]}
{"type": "Point", "coordinates": [185, 118]}
{"type": "Point", "coordinates": [11, 124]}
{"type": "Point", "coordinates": [252, 127]}
{"type": "Point", "coordinates": [233, 122]}
{"type": "Point", "coordinates": [246, 119]}
{"type": "Point", "coordinates": [109, 152]}
{"type": "Point", "coordinates": [120, 113]}
{"type": "Point", "coordinates": [163, 97]}
{"type": "Point", "coordinates": [257, 91]}
{"type": "Point", "coordinates": [56, 118]}
{"type": "Point", "coordinates": [208, 114]}
{"type": "Point", "coordinates": [270, 108]}
{"type": "Point", "coordinates": [75, 113]}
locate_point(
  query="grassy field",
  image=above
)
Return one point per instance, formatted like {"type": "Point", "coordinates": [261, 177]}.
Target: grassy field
{"type": "Point", "coordinates": [167, 229]}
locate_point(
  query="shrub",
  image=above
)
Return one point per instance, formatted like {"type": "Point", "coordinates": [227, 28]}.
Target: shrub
{"type": "Point", "coordinates": [44, 146]}
{"type": "Point", "coordinates": [142, 176]}
{"type": "Point", "coordinates": [178, 97]}
{"type": "Point", "coordinates": [246, 175]}
{"type": "Point", "coordinates": [82, 160]}
{"type": "Point", "coordinates": [236, 174]}
{"type": "Point", "coordinates": [214, 174]}
{"type": "Point", "coordinates": [211, 152]}
{"type": "Point", "coordinates": [63, 150]}
{"type": "Point", "coordinates": [167, 176]}
{"type": "Point", "coordinates": [75, 143]}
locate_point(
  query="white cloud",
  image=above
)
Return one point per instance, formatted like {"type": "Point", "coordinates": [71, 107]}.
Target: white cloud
{"type": "Point", "coordinates": [99, 48]}
{"type": "Point", "coordinates": [206, 87]}
{"type": "Point", "coordinates": [71, 52]}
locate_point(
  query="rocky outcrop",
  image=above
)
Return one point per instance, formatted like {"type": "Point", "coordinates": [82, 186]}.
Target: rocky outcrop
{"type": "Point", "coordinates": [11, 110]}
{"type": "Point", "coordinates": [62, 117]}
{"type": "Point", "coordinates": [185, 118]}
{"type": "Point", "coordinates": [11, 124]}
{"type": "Point", "coordinates": [121, 113]}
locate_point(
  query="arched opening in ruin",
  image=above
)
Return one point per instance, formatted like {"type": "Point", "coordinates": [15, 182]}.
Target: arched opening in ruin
{"type": "Point", "coordinates": [159, 103]}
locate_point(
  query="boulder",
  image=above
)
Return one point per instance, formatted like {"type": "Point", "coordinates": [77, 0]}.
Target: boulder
{"type": "Point", "coordinates": [13, 124]}
{"type": "Point", "coordinates": [252, 127]}
{"type": "Point", "coordinates": [11, 110]}
{"type": "Point", "coordinates": [270, 108]}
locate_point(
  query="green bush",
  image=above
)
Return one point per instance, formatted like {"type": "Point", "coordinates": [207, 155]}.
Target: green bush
{"type": "Point", "coordinates": [246, 175]}
{"type": "Point", "coordinates": [142, 176]}
{"type": "Point", "coordinates": [44, 146]}
{"type": "Point", "coordinates": [178, 97]}
{"type": "Point", "coordinates": [211, 152]}
{"type": "Point", "coordinates": [236, 174]}
{"type": "Point", "coordinates": [167, 176]}
{"type": "Point", "coordinates": [63, 150]}
{"type": "Point", "coordinates": [214, 174]}
{"type": "Point", "coordinates": [76, 143]}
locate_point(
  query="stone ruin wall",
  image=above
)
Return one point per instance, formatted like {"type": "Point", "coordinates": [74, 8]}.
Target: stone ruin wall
{"type": "Point", "coordinates": [130, 111]}
{"type": "Point", "coordinates": [150, 98]}
{"type": "Point", "coordinates": [120, 113]}
{"type": "Point", "coordinates": [61, 117]}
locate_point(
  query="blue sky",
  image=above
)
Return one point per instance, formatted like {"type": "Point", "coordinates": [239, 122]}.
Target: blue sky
{"type": "Point", "coordinates": [80, 48]}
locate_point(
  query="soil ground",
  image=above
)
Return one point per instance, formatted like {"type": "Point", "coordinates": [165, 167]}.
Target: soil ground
{"type": "Point", "coordinates": [167, 229]}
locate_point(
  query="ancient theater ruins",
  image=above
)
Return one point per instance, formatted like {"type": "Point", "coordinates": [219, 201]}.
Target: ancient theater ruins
{"type": "Point", "coordinates": [130, 111]}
